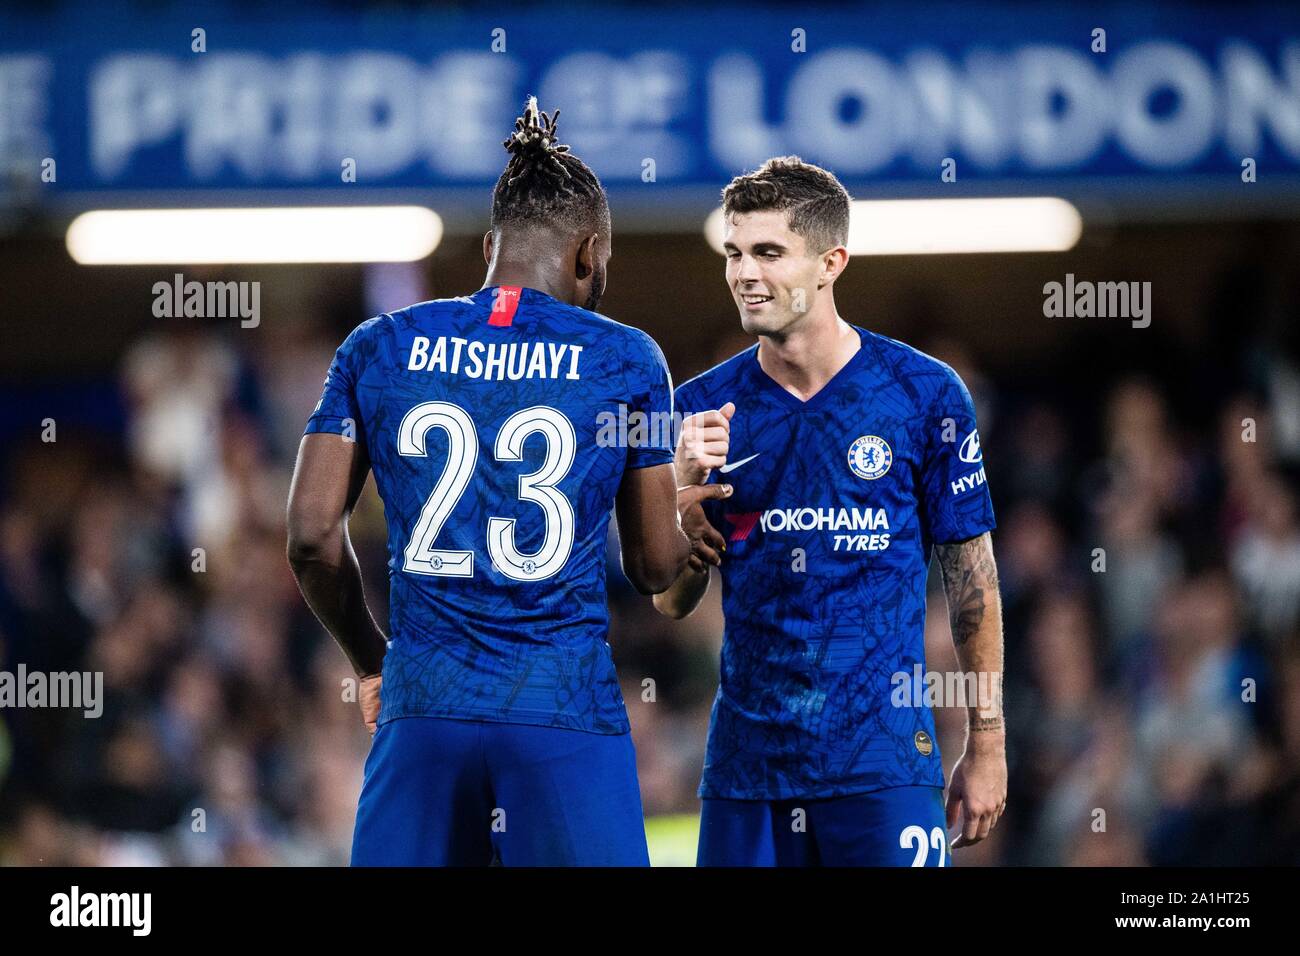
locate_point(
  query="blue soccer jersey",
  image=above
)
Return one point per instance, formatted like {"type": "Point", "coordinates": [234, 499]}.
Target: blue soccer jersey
{"type": "Point", "coordinates": [481, 419]}
{"type": "Point", "coordinates": [837, 503]}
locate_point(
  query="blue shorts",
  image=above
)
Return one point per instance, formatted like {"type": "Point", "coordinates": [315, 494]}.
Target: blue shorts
{"type": "Point", "coordinates": [441, 792]}
{"type": "Point", "coordinates": [901, 826]}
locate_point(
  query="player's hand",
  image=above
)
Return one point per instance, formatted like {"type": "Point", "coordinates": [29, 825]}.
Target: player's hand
{"type": "Point", "coordinates": [977, 795]}
{"type": "Point", "coordinates": [703, 444]}
{"type": "Point", "coordinates": [706, 543]}
{"type": "Point", "coordinates": [368, 698]}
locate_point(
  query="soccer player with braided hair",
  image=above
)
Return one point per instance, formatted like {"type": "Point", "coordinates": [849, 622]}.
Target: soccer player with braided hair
{"type": "Point", "coordinates": [500, 732]}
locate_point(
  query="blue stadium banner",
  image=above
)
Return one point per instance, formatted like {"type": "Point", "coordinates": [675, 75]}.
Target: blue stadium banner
{"type": "Point", "coordinates": [173, 101]}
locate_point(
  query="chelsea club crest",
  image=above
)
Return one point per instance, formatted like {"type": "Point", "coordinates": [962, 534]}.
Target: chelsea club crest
{"type": "Point", "coordinates": [870, 457]}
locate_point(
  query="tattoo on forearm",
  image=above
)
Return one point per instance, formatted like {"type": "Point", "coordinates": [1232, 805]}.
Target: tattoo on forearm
{"type": "Point", "coordinates": [978, 724]}
{"type": "Point", "coordinates": [970, 577]}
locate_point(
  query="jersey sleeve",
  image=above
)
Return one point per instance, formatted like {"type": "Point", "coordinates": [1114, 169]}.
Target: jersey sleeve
{"type": "Point", "coordinates": [651, 395]}
{"type": "Point", "coordinates": [955, 495]}
{"type": "Point", "coordinates": [338, 411]}
{"type": "Point", "coordinates": [685, 398]}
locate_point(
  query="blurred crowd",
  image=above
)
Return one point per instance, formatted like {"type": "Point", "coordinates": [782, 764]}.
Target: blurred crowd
{"type": "Point", "coordinates": [1150, 570]}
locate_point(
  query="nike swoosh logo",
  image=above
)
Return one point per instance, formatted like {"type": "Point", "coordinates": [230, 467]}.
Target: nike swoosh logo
{"type": "Point", "coordinates": [733, 465]}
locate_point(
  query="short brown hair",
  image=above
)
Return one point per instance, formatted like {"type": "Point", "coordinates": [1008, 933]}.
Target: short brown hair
{"type": "Point", "coordinates": [816, 203]}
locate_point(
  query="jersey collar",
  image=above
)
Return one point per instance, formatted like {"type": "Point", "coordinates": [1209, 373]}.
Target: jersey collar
{"type": "Point", "coordinates": [836, 381]}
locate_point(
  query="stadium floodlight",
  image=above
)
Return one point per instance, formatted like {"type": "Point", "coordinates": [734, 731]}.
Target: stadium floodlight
{"type": "Point", "coordinates": [119, 237]}
{"type": "Point", "coordinates": [898, 227]}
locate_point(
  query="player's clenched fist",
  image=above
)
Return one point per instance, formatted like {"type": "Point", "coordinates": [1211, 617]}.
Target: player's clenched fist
{"type": "Point", "coordinates": [368, 698]}
{"type": "Point", "coordinates": [703, 445]}
{"type": "Point", "coordinates": [706, 544]}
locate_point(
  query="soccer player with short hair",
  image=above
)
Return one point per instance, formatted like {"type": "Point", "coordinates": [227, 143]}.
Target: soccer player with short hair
{"type": "Point", "coordinates": [499, 726]}
{"type": "Point", "coordinates": [851, 457]}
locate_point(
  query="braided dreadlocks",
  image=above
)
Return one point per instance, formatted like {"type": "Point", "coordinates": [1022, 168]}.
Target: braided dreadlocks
{"type": "Point", "coordinates": [545, 184]}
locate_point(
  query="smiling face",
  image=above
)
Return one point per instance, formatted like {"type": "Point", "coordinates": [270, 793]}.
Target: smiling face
{"type": "Point", "coordinates": [773, 276]}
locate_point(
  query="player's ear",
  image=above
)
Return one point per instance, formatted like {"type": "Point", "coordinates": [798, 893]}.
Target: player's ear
{"type": "Point", "coordinates": [834, 261]}
{"type": "Point", "coordinates": [585, 260]}
{"type": "Point", "coordinates": [487, 247]}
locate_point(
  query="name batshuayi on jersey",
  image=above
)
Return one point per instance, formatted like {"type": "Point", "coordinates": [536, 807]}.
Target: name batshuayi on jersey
{"type": "Point", "coordinates": [480, 418]}
{"type": "Point", "coordinates": [830, 529]}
